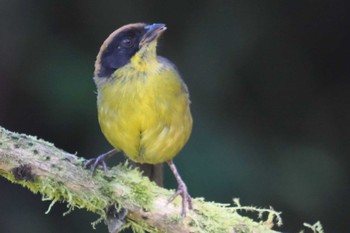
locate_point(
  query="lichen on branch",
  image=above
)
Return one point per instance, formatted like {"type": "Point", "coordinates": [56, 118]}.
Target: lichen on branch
{"type": "Point", "coordinates": [60, 177]}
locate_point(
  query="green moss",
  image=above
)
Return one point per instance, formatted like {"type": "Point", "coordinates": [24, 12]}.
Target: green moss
{"type": "Point", "coordinates": [140, 227]}
{"type": "Point", "coordinates": [139, 193]}
{"type": "Point", "coordinates": [56, 191]}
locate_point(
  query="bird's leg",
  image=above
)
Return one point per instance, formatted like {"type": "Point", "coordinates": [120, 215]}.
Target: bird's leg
{"type": "Point", "coordinates": [181, 190]}
{"type": "Point", "coordinates": [100, 160]}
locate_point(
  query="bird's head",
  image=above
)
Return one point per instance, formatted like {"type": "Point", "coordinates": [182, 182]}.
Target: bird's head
{"type": "Point", "coordinates": [133, 43]}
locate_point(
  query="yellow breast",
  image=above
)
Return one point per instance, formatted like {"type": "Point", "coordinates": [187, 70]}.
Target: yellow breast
{"type": "Point", "coordinates": [145, 112]}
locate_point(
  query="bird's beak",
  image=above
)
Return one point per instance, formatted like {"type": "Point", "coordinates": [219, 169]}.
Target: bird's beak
{"type": "Point", "coordinates": [153, 31]}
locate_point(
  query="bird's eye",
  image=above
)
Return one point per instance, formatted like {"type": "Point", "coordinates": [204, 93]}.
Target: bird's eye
{"type": "Point", "coordinates": [127, 42]}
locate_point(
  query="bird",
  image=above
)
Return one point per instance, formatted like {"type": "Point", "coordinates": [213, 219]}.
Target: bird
{"type": "Point", "coordinates": [143, 103]}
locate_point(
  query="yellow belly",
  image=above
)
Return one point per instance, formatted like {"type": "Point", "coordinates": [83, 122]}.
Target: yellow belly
{"type": "Point", "coordinates": [146, 115]}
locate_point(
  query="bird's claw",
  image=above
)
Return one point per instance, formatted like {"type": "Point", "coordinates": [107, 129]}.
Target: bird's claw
{"type": "Point", "coordinates": [186, 198]}
{"type": "Point", "coordinates": [99, 161]}
{"type": "Point", "coordinates": [94, 163]}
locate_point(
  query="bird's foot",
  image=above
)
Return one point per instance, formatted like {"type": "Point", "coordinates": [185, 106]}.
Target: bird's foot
{"type": "Point", "coordinates": [99, 161]}
{"type": "Point", "coordinates": [186, 198]}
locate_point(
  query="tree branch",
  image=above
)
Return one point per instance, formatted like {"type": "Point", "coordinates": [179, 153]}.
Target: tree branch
{"type": "Point", "coordinates": [60, 176]}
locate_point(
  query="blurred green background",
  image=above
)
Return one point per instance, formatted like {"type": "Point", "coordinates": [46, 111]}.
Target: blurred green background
{"type": "Point", "coordinates": [270, 90]}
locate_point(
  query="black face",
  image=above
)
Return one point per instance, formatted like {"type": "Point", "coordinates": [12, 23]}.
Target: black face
{"type": "Point", "coordinates": [119, 51]}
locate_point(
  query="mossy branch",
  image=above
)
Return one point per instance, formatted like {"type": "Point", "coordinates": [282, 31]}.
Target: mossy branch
{"type": "Point", "coordinates": [60, 176]}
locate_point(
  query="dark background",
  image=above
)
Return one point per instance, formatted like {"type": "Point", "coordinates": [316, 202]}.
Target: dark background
{"type": "Point", "coordinates": [269, 83]}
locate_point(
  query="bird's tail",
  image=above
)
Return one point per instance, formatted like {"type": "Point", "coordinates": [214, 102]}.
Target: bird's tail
{"type": "Point", "coordinates": [153, 171]}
